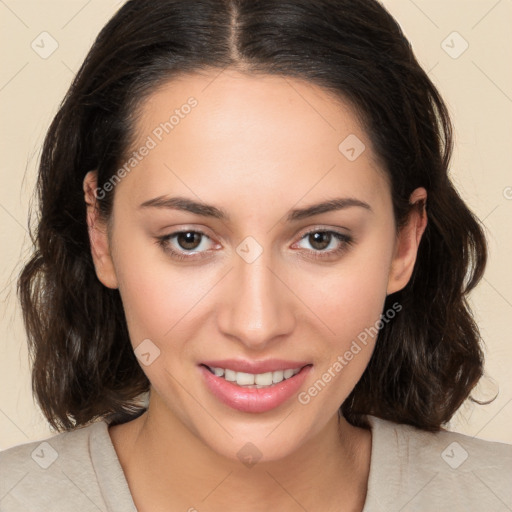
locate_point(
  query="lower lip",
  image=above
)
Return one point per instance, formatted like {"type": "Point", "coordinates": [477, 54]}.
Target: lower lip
{"type": "Point", "coordinates": [253, 399]}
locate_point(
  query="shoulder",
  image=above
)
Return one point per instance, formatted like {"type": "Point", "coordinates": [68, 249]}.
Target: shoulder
{"type": "Point", "coordinates": [41, 474]}
{"type": "Point", "coordinates": [424, 469]}
{"type": "Point", "coordinates": [454, 449]}
{"type": "Point", "coordinates": [44, 452]}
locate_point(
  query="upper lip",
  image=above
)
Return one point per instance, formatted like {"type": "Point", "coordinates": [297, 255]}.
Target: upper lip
{"type": "Point", "coordinates": [247, 366]}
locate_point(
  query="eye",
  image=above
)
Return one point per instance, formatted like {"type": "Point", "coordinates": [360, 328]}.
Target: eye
{"type": "Point", "coordinates": [179, 243]}
{"type": "Point", "coordinates": [188, 244]}
{"type": "Point", "coordinates": [321, 240]}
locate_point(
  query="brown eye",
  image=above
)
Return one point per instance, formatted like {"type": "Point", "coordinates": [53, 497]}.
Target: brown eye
{"type": "Point", "coordinates": [188, 240]}
{"type": "Point", "coordinates": [320, 240]}
{"type": "Point", "coordinates": [186, 245]}
{"type": "Point", "coordinates": [326, 244]}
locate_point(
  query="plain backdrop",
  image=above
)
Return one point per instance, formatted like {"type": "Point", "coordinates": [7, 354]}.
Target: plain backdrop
{"type": "Point", "coordinates": [465, 45]}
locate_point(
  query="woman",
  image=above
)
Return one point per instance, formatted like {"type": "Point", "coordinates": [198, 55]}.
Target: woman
{"type": "Point", "coordinates": [246, 218]}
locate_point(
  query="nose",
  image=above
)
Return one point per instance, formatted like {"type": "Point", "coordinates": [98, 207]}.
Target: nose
{"type": "Point", "coordinates": [256, 307]}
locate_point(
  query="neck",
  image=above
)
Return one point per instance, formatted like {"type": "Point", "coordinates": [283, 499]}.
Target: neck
{"type": "Point", "coordinates": [167, 466]}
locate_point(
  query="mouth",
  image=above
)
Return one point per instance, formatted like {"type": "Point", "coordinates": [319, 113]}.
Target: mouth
{"type": "Point", "coordinates": [254, 392]}
{"type": "Point", "coordinates": [254, 380]}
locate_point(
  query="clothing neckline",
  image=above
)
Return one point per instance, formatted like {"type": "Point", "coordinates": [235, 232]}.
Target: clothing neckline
{"type": "Point", "coordinates": [110, 474]}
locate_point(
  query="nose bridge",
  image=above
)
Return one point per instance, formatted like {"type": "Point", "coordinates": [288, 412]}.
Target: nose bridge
{"type": "Point", "coordinates": [258, 307]}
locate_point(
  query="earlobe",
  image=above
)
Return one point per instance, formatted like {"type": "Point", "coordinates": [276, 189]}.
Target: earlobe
{"type": "Point", "coordinates": [98, 235]}
{"type": "Point", "coordinates": [407, 243]}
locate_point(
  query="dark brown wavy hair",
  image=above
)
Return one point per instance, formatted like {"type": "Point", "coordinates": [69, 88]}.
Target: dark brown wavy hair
{"type": "Point", "coordinates": [426, 361]}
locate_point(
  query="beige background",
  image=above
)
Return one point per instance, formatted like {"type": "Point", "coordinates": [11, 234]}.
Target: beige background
{"type": "Point", "coordinates": [477, 86]}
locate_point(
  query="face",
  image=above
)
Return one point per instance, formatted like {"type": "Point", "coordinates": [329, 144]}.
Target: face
{"type": "Point", "coordinates": [257, 275]}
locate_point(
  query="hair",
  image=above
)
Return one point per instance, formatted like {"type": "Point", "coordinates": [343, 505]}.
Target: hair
{"type": "Point", "coordinates": [425, 362]}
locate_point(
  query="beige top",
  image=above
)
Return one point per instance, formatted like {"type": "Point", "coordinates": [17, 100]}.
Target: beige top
{"type": "Point", "coordinates": [410, 470]}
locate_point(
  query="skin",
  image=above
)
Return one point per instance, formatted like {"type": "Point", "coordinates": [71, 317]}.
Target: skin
{"type": "Point", "coordinates": [256, 146]}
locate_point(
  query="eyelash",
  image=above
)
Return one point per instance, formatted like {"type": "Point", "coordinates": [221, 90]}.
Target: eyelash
{"type": "Point", "coordinates": [346, 242]}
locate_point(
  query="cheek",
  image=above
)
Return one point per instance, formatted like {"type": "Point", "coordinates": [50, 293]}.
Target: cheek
{"type": "Point", "coordinates": [352, 296]}
{"type": "Point", "coordinates": [351, 312]}
{"type": "Point", "coordinates": [154, 294]}
{"type": "Point", "coordinates": [350, 303]}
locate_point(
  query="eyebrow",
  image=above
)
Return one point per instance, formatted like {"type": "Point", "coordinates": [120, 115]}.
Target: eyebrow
{"type": "Point", "coordinates": [207, 210]}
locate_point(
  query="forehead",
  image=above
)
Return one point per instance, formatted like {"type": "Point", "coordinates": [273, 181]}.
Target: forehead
{"type": "Point", "coordinates": [247, 134]}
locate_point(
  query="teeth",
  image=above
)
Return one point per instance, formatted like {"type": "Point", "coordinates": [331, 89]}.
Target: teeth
{"type": "Point", "coordinates": [218, 371]}
{"type": "Point", "coordinates": [258, 380]}
{"type": "Point", "coordinates": [244, 379]}
{"type": "Point", "coordinates": [228, 375]}
{"type": "Point", "coordinates": [263, 379]}
{"type": "Point", "coordinates": [277, 376]}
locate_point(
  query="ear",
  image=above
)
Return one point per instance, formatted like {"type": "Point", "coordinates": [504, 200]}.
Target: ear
{"type": "Point", "coordinates": [407, 243]}
{"type": "Point", "coordinates": [98, 234]}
